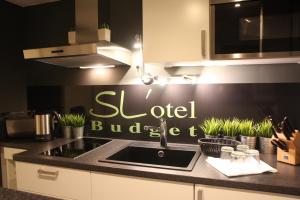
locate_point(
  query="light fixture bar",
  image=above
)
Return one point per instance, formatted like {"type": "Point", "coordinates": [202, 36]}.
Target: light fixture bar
{"type": "Point", "coordinates": [97, 67]}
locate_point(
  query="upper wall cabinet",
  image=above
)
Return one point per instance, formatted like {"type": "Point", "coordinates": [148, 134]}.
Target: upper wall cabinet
{"type": "Point", "coordinates": [254, 28]}
{"type": "Point", "coordinates": [175, 30]}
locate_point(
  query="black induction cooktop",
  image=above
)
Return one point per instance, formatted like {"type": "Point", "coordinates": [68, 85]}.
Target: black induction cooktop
{"type": "Point", "coordinates": [76, 148]}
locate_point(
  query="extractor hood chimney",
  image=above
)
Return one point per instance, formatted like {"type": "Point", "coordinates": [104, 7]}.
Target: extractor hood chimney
{"type": "Point", "coordinates": [87, 51]}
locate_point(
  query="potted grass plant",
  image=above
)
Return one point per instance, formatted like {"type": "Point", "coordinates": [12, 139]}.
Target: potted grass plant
{"type": "Point", "coordinates": [231, 129]}
{"type": "Point", "coordinates": [248, 133]}
{"type": "Point", "coordinates": [65, 123]}
{"type": "Point", "coordinates": [104, 32]}
{"type": "Point", "coordinates": [264, 132]}
{"type": "Point", "coordinates": [77, 123]}
{"type": "Point", "coordinates": [212, 127]}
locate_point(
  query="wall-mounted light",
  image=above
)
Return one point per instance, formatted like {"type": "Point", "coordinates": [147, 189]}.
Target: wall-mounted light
{"type": "Point", "coordinates": [146, 78]}
{"type": "Point", "coordinates": [248, 20]}
{"type": "Point", "coordinates": [181, 79]}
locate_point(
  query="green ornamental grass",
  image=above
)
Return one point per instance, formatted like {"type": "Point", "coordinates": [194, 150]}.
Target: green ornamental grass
{"type": "Point", "coordinates": [231, 127]}
{"type": "Point", "coordinates": [73, 120]}
{"type": "Point", "coordinates": [264, 129]}
{"type": "Point", "coordinates": [77, 120]}
{"type": "Point", "coordinates": [212, 126]}
{"type": "Point", "coordinates": [65, 120]}
{"type": "Point", "coordinates": [247, 128]}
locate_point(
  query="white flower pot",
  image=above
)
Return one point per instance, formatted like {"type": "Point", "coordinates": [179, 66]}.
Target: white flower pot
{"type": "Point", "coordinates": [211, 136]}
{"type": "Point", "coordinates": [104, 34]}
{"type": "Point", "coordinates": [266, 146]}
{"type": "Point", "coordinates": [77, 132]}
{"type": "Point", "coordinates": [250, 141]}
{"type": "Point", "coordinates": [230, 137]}
{"type": "Point", "coordinates": [67, 131]}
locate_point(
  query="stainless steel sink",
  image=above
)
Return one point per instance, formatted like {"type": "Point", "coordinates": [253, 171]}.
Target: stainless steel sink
{"type": "Point", "coordinates": [178, 158]}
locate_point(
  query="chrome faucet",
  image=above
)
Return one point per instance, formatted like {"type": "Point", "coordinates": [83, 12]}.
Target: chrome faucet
{"type": "Point", "coordinates": [162, 130]}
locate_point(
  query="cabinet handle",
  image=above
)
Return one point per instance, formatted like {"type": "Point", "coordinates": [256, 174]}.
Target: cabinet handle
{"type": "Point", "coordinates": [200, 194]}
{"type": "Point", "coordinates": [57, 51]}
{"type": "Point", "coordinates": [203, 43]}
{"type": "Point", "coordinates": [48, 174]}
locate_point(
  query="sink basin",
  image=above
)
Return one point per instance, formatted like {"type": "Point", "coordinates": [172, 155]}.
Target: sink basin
{"type": "Point", "coordinates": [170, 158]}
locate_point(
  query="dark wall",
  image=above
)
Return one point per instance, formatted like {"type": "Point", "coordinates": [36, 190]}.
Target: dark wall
{"type": "Point", "coordinates": [48, 25]}
{"type": "Point", "coordinates": [12, 71]}
{"type": "Point", "coordinates": [252, 101]}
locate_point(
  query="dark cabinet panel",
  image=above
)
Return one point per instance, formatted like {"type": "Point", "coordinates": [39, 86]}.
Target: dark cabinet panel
{"type": "Point", "coordinates": [237, 27]}
{"type": "Point", "coordinates": [296, 25]}
{"type": "Point", "coordinates": [255, 28]}
{"type": "Point", "coordinates": [277, 25]}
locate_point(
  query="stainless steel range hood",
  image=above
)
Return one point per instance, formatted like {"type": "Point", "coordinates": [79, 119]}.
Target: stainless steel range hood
{"type": "Point", "coordinates": [88, 50]}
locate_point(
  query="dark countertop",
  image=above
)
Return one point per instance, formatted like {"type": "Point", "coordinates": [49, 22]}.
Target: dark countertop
{"type": "Point", "coordinates": [7, 194]}
{"type": "Point", "coordinates": [286, 181]}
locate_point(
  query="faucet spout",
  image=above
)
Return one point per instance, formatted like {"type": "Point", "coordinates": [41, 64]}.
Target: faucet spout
{"type": "Point", "coordinates": [162, 131]}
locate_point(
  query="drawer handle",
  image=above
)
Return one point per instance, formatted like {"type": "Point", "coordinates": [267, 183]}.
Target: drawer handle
{"type": "Point", "coordinates": [48, 174]}
{"type": "Point", "coordinates": [200, 194]}
{"type": "Point", "coordinates": [203, 43]}
{"type": "Point", "coordinates": [57, 51]}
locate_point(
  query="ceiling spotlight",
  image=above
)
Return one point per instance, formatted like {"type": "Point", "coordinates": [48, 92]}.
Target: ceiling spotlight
{"type": "Point", "coordinates": [237, 5]}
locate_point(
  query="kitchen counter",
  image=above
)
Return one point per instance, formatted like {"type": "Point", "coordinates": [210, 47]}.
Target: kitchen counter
{"type": "Point", "coordinates": [7, 194]}
{"type": "Point", "coordinates": [286, 181]}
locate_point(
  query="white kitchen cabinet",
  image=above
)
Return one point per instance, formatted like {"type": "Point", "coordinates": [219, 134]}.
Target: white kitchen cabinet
{"type": "Point", "coordinates": [116, 187]}
{"type": "Point", "coordinates": [175, 30]}
{"type": "Point", "coordinates": [204, 192]}
{"type": "Point", "coordinates": [54, 181]}
{"type": "Point", "coordinates": [8, 167]}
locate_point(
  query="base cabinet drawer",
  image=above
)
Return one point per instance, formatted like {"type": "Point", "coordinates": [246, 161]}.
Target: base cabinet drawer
{"type": "Point", "coordinates": [116, 187]}
{"type": "Point", "coordinates": [204, 192]}
{"type": "Point", "coordinates": [54, 181]}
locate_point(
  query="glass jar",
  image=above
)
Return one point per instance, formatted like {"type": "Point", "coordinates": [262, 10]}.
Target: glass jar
{"type": "Point", "coordinates": [242, 147]}
{"type": "Point", "coordinates": [238, 159]}
{"type": "Point", "coordinates": [226, 152]}
{"type": "Point", "coordinates": [252, 157]}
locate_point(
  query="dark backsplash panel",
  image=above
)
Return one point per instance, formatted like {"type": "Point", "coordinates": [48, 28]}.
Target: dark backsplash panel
{"type": "Point", "coordinates": [254, 101]}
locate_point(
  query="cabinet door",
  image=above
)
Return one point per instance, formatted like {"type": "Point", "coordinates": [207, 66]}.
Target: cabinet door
{"type": "Point", "coordinates": [277, 25]}
{"type": "Point", "coordinates": [116, 187]}
{"type": "Point", "coordinates": [237, 27]}
{"type": "Point", "coordinates": [9, 168]}
{"type": "Point", "coordinates": [175, 30]}
{"type": "Point", "coordinates": [296, 26]}
{"type": "Point", "coordinates": [53, 181]}
{"type": "Point", "coordinates": [203, 192]}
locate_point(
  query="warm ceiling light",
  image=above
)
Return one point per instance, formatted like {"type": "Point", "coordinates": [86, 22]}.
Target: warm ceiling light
{"type": "Point", "coordinates": [97, 67]}
{"type": "Point", "coordinates": [237, 5]}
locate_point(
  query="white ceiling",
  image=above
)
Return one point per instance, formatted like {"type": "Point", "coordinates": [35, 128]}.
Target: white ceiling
{"type": "Point", "coordinates": [25, 3]}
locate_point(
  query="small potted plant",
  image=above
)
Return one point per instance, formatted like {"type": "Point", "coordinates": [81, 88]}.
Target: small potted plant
{"type": "Point", "coordinates": [212, 127]}
{"type": "Point", "coordinates": [104, 32]}
{"type": "Point", "coordinates": [65, 122]}
{"type": "Point", "coordinates": [264, 131]}
{"type": "Point", "coordinates": [231, 129]}
{"type": "Point", "coordinates": [77, 123]}
{"type": "Point", "coordinates": [248, 133]}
